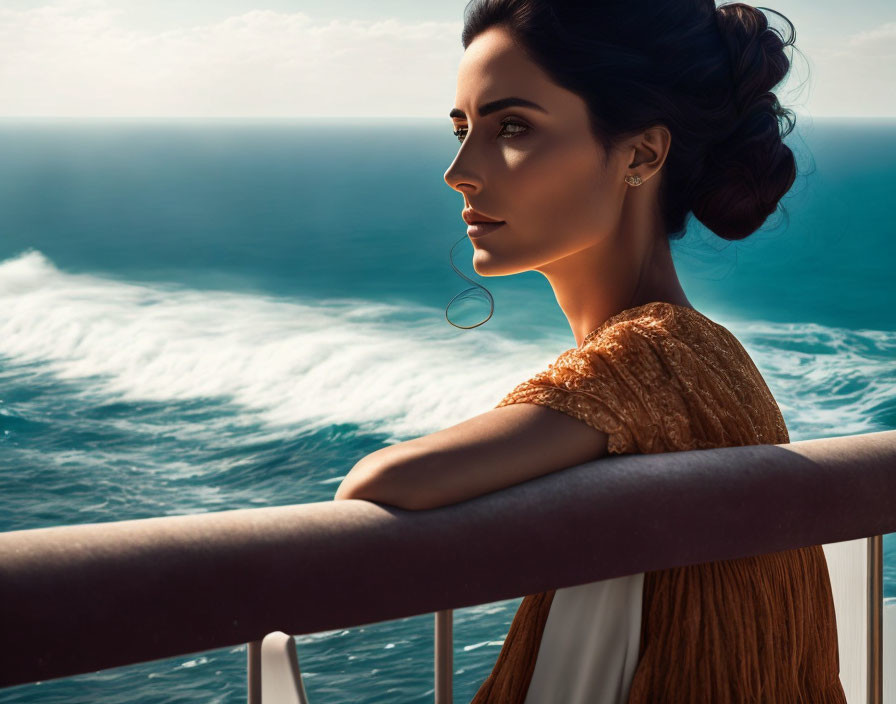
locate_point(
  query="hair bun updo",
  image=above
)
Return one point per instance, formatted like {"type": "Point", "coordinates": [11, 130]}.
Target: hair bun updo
{"type": "Point", "coordinates": [747, 173]}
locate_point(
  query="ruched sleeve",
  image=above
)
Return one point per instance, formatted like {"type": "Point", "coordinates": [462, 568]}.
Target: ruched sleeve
{"type": "Point", "coordinates": [659, 378]}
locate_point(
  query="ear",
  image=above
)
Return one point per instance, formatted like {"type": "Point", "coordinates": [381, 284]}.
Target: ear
{"type": "Point", "coordinates": [650, 148]}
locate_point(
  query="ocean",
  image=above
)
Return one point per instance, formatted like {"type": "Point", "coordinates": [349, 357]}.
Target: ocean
{"type": "Point", "coordinates": [203, 315]}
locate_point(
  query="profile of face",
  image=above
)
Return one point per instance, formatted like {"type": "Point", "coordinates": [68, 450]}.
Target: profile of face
{"type": "Point", "coordinates": [536, 166]}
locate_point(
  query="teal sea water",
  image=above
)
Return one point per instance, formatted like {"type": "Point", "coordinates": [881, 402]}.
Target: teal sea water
{"type": "Point", "coordinates": [200, 316]}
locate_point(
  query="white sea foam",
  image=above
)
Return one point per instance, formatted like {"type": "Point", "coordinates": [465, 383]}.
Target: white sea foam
{"type": "Point", "coordinates": [827, 381]}
{"type": "Point", "coordinates": [289, 363]}
{"type": "Point", "coordinates": [293, 364]}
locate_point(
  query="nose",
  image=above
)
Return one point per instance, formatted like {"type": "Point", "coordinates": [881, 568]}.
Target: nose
{"type": "Point", "coordinates": [462, 183]}
{"type": "Point", "coordinates": [460, 177]}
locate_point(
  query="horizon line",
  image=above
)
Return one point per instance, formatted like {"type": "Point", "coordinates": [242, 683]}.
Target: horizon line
{"type": "Point", "coordinates": [334, 117]}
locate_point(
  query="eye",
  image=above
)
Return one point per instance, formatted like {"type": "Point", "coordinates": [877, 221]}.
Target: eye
{"type": "Point", "coordinates": [462, 132]}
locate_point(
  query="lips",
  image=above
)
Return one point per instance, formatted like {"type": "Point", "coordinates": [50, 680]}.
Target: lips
{"type": "Point", "coordinates": [479, 229]}
{"type": "Point", "coordinates": [473, 217]}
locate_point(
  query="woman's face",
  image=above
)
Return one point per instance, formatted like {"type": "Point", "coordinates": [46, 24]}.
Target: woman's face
{"type": "Point", "coordinates": [539, 170]}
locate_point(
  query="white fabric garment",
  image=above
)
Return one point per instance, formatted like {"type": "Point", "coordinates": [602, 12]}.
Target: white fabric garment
{"type": "Point", "coordinates": [589, 648]}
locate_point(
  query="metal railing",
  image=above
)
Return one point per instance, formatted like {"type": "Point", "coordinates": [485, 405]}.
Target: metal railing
{"type": "Point", "coordinates": [204, 581]}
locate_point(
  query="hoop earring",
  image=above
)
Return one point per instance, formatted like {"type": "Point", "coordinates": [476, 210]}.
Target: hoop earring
{"type": "Point", "coordinates": [633, 180]}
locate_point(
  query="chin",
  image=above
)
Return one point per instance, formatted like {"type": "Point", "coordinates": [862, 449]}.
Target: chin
{"type": "Point", "coordinates": [486, 264]}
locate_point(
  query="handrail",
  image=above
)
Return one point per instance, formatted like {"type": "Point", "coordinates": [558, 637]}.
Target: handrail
{"type": "Point", "coordinates": [191, 583]}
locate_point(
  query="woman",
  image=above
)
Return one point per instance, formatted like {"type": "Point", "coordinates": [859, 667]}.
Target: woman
{"type": "Point", "coordinates": [589, 131]}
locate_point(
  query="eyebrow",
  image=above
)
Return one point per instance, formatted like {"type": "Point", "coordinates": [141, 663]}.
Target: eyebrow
{"type": "Point", "coordinates": [496, 105]}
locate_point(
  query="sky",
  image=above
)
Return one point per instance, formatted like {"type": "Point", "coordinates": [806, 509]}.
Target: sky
{"type": "Point", "coordinates": [351, 58]}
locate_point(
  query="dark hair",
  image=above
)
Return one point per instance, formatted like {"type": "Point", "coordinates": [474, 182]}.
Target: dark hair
{"type": "Point", "coordinates": [706, 73]}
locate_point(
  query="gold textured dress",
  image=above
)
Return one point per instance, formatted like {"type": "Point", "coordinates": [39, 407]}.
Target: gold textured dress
{"type": "Point", "coordinates": [665, 378]}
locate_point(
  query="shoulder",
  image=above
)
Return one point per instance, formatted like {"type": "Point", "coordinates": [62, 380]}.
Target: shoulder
{"type": "Point", "coordinates": [617, 381]}
{"type": "Point", "coordinates": [657, 378]}
{"type": "Point", "coordinates": [640, 343]}
{"type": "Point", "coordinates": [682, 339]}
{"type": "Point", "coordinates": [656, 323]}
{"type": "Point", "coordinates": [674, 349]}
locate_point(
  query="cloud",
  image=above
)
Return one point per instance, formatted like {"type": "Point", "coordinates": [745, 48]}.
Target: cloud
{"type": "Point", "coordinates": [853, 75]}
{"type": "Point", "coordinates": [880, 41]}
{"type": "Point", "coordinates": [82, 58]}
{"type": "Point", "coordinates": [77, 58]}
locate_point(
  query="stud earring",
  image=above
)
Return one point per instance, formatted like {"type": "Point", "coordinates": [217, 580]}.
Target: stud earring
{"type": "Point", "coordinates": [633, 180]}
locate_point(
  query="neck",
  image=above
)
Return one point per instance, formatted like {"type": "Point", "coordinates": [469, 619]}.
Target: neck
{"type": "Point", "coordinates": [589, 291]}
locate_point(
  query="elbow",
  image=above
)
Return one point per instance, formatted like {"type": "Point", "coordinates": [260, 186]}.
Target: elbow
{"type": "Point", "coordinates": [355, 485]}
{"type": "Point", "coordinates": [377, 483]}
{"type": "Point", "coordinates": [343, 492]}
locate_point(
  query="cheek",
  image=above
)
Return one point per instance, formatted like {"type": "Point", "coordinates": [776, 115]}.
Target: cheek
{"type": "Point", "coordinates": [564, 200]}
